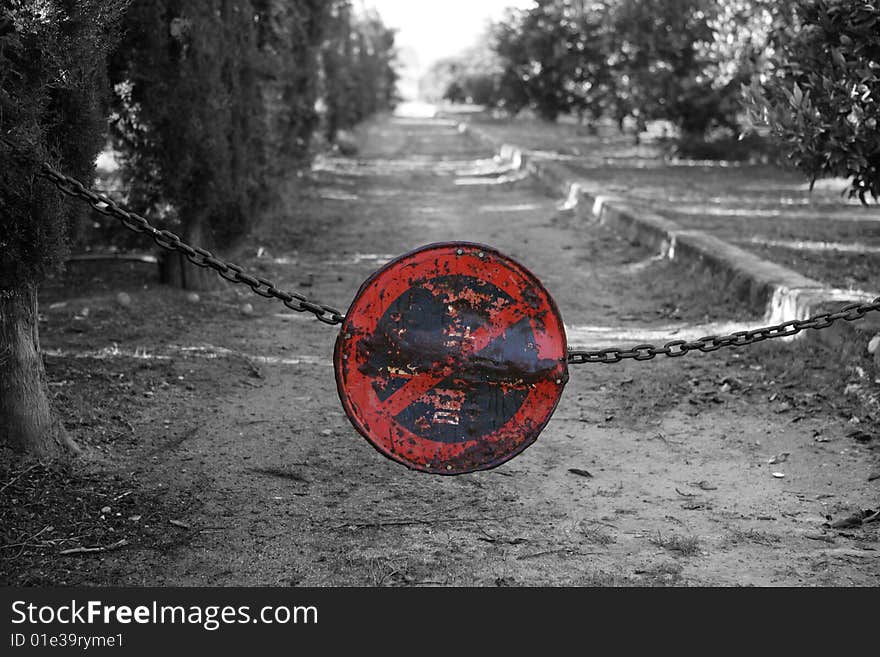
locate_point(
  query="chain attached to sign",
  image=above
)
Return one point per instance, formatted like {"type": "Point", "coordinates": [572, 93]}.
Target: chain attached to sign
{"type": "Point", "coordinates": [452, 357]}
{"type": "Point", "coordinates": [167, 240]}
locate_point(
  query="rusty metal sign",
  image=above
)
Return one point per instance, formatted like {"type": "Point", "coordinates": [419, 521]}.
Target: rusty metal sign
{"type": "Point", "coordinates": [451, 358]}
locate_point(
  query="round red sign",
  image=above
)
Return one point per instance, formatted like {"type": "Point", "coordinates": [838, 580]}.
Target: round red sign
{"type": "Point", "coordinates": [451, 358]}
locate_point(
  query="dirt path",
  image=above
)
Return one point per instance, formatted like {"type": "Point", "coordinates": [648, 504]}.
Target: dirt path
{"type": "Point", "coordinates": [279, 489]}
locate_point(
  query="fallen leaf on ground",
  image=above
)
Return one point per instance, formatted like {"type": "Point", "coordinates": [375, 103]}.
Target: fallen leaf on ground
{"type": "Point", "coordinates": [101, 548]}
{"type": "Point", "coordinates": [581, 473]}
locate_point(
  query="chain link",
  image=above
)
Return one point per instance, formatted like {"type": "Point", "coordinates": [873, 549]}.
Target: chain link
{"type": "Point", "coordinates": [169, 241]}
{"type": "Point", "coordinates": [677, 348]}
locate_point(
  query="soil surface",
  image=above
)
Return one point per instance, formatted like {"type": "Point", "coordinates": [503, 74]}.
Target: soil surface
{"type": "Point", "coordinates": [216, 451]}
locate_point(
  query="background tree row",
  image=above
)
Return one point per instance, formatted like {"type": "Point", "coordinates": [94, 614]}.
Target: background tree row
{"type": "Point", "coordinates": [215, 102]}
{"type": "Point", "coordinates": [806, 70]}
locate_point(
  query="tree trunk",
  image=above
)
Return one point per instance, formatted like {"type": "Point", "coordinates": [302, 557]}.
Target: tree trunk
{"type": "Point", "coordinates": [641, 126]}
{"type": "Point", "coordinates": [27, 423]}
{"type": "Point", "coordinates": [175, 270]}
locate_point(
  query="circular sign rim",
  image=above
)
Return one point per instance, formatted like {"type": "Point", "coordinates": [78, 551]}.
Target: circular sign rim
{"type": "Point", "coordinates": [344, 330]}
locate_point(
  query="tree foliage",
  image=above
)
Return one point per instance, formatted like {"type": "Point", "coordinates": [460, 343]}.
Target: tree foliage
{"type": "Point", "coordinates": [743, 43]}
{"type": "Point", "coordinates": [471, 77]}
{"type": "Point", "coordinates": [189, 114]}
{"type": "Point", "coordinates": [216, 101]}
{"type": "Point", "coordinates": [553, 58]}
{"type": "Point", "coordinates": [52, 105]}
{"type": "Point", "coordinates": [358, 58]}
{"type": "Point", "coordinates": [287, 54]}
{"type": "Point", "coordinates": [650, 59]}
{"type": "Point", "coordinates": [661, 56]}
{"type": "Point", "coordinates": [821, 97]}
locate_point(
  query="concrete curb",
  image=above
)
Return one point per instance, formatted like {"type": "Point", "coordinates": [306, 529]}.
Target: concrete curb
{"type": "Point", "coordinates": [781, 294]}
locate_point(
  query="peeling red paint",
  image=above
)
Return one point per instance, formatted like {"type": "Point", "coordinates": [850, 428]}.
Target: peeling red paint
{"type": "Point", "coordinates": [451, 358]}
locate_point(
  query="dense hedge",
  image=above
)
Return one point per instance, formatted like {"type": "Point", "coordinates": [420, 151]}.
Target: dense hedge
{"type": "Point", "coordinates": [358, 68]}
{"type": "Point", "coordinates": [217, 101]}
{"type": "Point", "coordinates": [53, 106]}
{"type": "Point", "coordinates": [189, 115]}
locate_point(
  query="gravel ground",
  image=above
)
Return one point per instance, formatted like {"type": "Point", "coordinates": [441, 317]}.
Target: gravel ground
{"type": "Point", "coordinates": [217, 453]}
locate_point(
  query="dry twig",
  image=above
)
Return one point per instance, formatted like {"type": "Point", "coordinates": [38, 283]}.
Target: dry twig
{"type": "Point", "coordinates": [18, 476]}
{"type": "Point", "coordinates": [101, 548]}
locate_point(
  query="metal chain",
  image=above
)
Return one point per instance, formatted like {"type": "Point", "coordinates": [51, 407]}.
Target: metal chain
{"type": "Point", "coordinates": [329, 315]}
{"type": "Point", "coordinates": [709, 343]}
{"type": "Point", "coordinates": [171, 242]}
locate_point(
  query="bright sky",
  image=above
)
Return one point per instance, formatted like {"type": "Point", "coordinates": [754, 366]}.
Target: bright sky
{"type": "Point", "coordinates": [431, 29]}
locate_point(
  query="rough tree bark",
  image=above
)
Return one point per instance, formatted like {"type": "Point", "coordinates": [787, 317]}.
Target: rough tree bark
{"type": "Point", "coordinates": [26, 420]}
